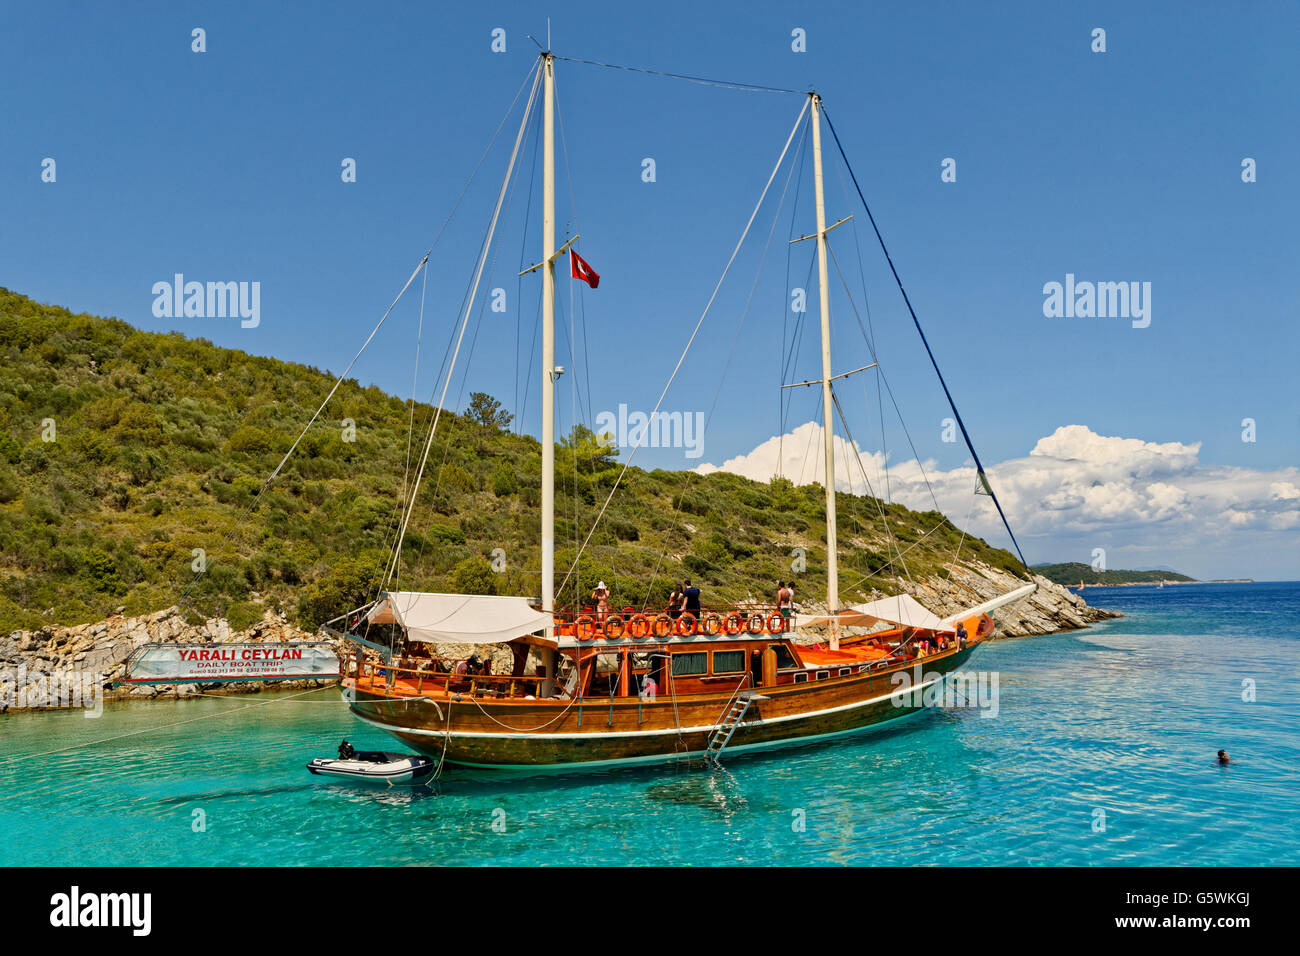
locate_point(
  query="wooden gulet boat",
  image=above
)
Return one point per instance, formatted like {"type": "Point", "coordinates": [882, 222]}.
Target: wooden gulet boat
{"type": "Point", "coordinates": [636, 685]}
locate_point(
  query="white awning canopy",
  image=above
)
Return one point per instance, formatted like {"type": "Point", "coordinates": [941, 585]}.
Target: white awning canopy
{"type": "Point", "coordinates": [993, 605]}
{"type": "Point", "coordinates": [458, 618]}
{"type": "Point", "coordinates": [902, 609]}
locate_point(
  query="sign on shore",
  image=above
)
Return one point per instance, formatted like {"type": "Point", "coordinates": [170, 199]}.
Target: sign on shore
{"type": "Point", "coordinates": [211, 663]}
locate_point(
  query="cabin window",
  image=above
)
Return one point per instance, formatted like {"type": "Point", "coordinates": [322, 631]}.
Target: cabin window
{"type": "Point", "coordinates": [689, 665]}
{"type": "Point", "coordinates": [728, 662]}
{"type": "Point", "coordinates": [784, 658]}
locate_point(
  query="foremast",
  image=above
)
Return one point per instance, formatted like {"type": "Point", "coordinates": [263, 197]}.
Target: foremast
{"type": "Point", "coordinates": [549, 371]}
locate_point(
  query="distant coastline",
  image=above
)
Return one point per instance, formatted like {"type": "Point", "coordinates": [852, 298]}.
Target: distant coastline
{"type": "Point", "coordinates": [1157, 582]}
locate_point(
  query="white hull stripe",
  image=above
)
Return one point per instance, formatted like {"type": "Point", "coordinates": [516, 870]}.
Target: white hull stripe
{"type": "Point", "coordinates": [598, 735]}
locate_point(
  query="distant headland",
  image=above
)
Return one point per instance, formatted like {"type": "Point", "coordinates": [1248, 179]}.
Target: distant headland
{"type": "Point", "coordinates": [1077, 574]}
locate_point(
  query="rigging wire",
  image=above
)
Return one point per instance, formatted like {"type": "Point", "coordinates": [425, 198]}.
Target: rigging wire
{"type": "Point", "coordinates": [735, 341]}
{"type": "Point", "coordinates": [699, 80]}
{"type": "Point", "coordinates": [252, 506]}
{"type": "Point", "coordinates": [415, 379]}
{"type": "Point", "coordinates": [478, 324]}
{"type": "Point", "coordinates": [184, 597]}
{"type": "Point", "coordinates": [695, 332]}
{"type": "Point", "coordinates": [981, 475]}
{"type": "Point", "coordinates": [858, 458]}
{"type": "Point", "coordinates": [876, 358]}
{"type": "Point", "coordinates": [496, 212]}
{"type": "Point", "coordinates": [519, 279]}
{"type": "Point", "coordinates": [871, 329]}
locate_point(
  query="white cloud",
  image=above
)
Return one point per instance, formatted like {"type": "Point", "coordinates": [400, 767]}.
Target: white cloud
{"type": "Point", "coordinates": [1284, 490]}
{"type": "Point", "coordinates": [1150, 502]}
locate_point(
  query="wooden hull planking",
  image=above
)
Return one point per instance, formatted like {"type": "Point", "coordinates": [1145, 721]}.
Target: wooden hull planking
{"type": "Point", "coordinates": [597, 732]}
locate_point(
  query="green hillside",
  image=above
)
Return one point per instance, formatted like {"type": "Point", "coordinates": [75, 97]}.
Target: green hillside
{"type": "Point", "coordinates": [1073, 572]}
{"type": "Point", "coordinates": [160, 444]}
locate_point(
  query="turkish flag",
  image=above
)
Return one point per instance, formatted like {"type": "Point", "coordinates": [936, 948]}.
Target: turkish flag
{"type": "Point", "coordinates": [583, 271]}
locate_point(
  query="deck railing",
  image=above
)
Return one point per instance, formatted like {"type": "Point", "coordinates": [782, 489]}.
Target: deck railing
{"type": "Point", "coordinates": [650, 622]}
{"type": "Point", "coordinates": [439, 673]}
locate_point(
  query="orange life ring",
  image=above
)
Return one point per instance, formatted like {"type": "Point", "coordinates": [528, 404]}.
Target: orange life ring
{"type": "Point", "coordinates": [585, 625]}
{"type": "Point", "coordinates": [663, 625]}
{"type": "Point", "coordinates": [776, 623]}
{"type": "Point", "coordinates": [613, 627]}
{"type": "Point", "coordinates": [639, 627]}
{"type": "Point", "coordinates": [711, 624]}
{"type": "Point", "coordinates": [755, 623]}
{"type": "Point", "coordinates": [734, 624]}
{"type": "Point", "coordinates": [685, 626]}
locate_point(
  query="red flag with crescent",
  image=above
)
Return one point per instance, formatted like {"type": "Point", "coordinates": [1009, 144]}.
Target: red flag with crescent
{"type": "Point", "coordinates": [582, 270]}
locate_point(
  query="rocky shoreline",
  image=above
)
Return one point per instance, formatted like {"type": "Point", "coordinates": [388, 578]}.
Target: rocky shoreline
{"type": "Point", "coordinates": [100, 650]}
{"type": "Point", "coordinates": [1050, 609]}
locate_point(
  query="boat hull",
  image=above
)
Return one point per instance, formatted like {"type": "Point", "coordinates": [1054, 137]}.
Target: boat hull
{"type": "Point", "coordinates": [598, 733]}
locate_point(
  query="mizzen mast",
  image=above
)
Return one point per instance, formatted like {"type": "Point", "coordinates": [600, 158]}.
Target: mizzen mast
{"type": "Point", "coordinates": [828, 431]}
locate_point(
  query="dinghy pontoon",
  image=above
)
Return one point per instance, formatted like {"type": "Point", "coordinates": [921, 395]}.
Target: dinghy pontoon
{"type": "Point", "coordinates": [373, 766]}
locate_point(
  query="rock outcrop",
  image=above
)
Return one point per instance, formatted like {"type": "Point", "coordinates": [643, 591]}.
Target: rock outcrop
{"type": "Point", "coordinates": [99, 651]}
{"type": "Point", "coordinates": [1050, 609]}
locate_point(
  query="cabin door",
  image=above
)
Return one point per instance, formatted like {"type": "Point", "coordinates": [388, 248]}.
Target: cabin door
{"type": "Point", "coordinates": [755, 668]}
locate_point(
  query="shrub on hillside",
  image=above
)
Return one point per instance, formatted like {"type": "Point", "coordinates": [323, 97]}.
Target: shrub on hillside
{"type": "Point", "coordinates": [474, 575]}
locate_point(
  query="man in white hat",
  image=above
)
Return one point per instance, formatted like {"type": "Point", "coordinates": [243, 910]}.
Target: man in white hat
{"type": "Point", "coordinates": [601, 597]}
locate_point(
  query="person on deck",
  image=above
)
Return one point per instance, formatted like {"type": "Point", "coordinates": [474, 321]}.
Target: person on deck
{"type": "Point", "coordinates": [961, 635]}
{"type": "Point", "coordinates": [676, 600]}
{"type": "Point", "coordinates": [601, 597]}
{"type": "Point", "coordinates": [692, 595]}
{"type": "Point", "coordinates": [784, 600]}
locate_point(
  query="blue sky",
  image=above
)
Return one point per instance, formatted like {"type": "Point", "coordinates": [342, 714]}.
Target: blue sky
{"type": "Point", "coordinates": [1115, 166]}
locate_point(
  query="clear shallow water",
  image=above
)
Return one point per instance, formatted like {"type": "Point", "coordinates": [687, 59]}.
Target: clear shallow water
{"type": "Point", "coordinates": [1125, 717]}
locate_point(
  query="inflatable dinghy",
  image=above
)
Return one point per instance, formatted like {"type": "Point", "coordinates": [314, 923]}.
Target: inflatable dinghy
{"type": "Point", "coordinates": [373, 766]}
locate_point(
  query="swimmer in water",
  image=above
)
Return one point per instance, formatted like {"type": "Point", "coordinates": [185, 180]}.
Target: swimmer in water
{"type": "Point", "coordinates": [1223, 756]}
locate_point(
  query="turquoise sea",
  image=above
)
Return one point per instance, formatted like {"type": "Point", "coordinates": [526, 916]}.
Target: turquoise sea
{"type": "Point", "coordinates": [1115, 725]}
